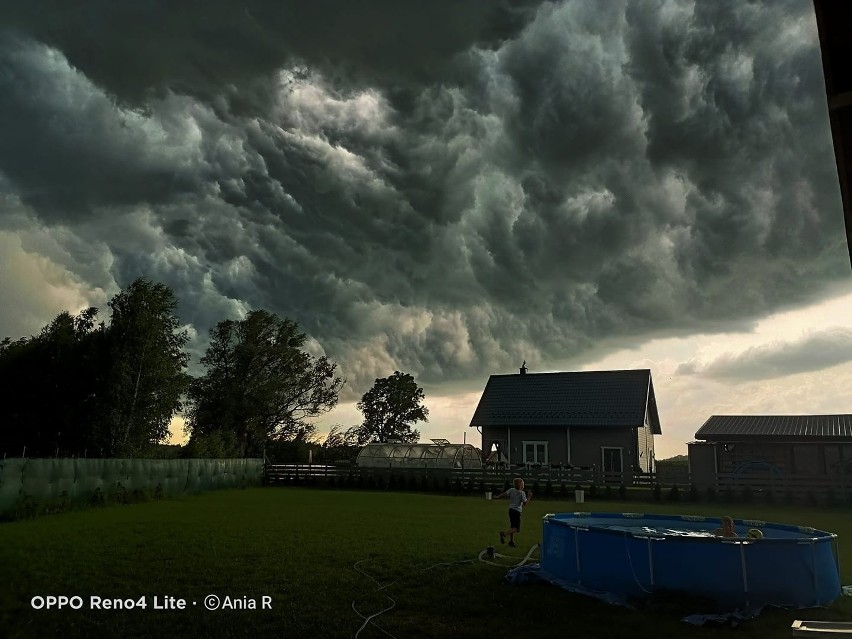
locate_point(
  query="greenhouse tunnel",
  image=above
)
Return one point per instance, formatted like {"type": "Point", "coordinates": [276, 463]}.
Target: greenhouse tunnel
{"type": "Point", "coordinates": [419, 456]}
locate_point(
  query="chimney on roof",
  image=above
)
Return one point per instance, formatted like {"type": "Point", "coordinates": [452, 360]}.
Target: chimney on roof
{"type": "Point", "coordinates": [524, 368]}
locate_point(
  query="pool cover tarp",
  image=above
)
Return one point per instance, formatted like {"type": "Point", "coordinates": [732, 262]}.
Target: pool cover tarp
{"type": "Point", "coordinates": [76, 481]}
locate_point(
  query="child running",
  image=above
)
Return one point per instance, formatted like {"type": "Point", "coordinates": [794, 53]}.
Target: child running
{"type": "Point", "coordinates": [517, 499]}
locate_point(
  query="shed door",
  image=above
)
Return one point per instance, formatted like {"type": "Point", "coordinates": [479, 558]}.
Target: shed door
{"type": "Point", "coordinates": [611, 460]}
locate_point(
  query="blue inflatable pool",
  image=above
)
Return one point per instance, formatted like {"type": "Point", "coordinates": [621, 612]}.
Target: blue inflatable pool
{"type": "Point", "coordinates": [637, 556]}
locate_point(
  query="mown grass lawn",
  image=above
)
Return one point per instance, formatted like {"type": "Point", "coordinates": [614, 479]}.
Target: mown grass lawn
{"type": "Point", "coordinates": [300, 545]}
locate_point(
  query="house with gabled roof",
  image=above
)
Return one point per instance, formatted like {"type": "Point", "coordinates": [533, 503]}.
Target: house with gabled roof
{"type": "Point", "coordinates": [791, 445]}
{"type": "Point", "coordinates": [605, 419]}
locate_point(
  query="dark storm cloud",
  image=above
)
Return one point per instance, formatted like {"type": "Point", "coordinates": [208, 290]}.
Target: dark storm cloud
{"type": "Point", "coordinates": [441, 190]}
{"type": "Point", "coordinates": [70, 150]}
{"type": "Point", "coordinates": [710, 103]}
{"type": "Point", "coordinates": [736, 103]}
{"type": "Point", "coordinates": [813, 352]}
{"type": "Point", "coordinates": [205, 48]}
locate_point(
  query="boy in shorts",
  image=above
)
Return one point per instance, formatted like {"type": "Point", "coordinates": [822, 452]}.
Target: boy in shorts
{"type": "Point", "coordinates": [517, 499]}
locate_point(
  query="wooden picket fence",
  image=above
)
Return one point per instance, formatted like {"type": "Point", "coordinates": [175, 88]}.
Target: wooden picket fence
{"type": "Point", "coordinates": [781, 484]}
{"type": "Point", "coordinates": [285, 473]}
{"type": "Point", "coordinates": [825, 489]}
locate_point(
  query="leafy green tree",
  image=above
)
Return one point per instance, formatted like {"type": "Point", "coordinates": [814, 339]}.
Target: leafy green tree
{"type": "Point", "coordinates": [260, 385]}
{"type": "Point", "coordinates": [85, 388]}
{"type": "Point", "coordinates": [147, 373]}
{"type": "Point", "coordinates": [50, 386]}
{"type": "Point", "coordinates": [339, 445]}
{"type": "Point", "coordinates": [213, 445]}
{"type": "Point", "coordinates": [339, 437]}
{"type": "Point", "coordinates": [390, 408]}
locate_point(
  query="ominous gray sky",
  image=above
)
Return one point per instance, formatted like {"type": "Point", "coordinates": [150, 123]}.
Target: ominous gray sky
{"type": "Point", "coordinates": [443, 188]}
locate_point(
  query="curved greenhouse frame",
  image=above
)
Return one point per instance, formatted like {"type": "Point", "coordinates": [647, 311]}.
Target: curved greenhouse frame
{"type": "Point", "coordinates": [419, 456]}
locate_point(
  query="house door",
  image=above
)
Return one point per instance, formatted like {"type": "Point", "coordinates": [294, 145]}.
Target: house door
{"type": "Point", "coordinates": [611, 460]}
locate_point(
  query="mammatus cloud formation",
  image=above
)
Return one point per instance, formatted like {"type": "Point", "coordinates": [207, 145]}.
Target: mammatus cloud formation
{"type": "Point", "coordinates": [445, 189]}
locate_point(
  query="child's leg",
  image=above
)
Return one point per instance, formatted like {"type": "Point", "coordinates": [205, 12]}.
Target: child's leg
{"type": "Point", "coordinates": [516, 529]}
{"type": "Point", "coordinates": [515, 524]}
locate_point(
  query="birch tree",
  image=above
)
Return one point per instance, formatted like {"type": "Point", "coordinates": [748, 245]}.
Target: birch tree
{"type": "Point", "coordinates": [147, 376]}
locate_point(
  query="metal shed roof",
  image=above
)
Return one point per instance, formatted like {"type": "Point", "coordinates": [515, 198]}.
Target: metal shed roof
{"type": "Point", "coordinates": [787, 427]}
{"type": "Point", "coordinates": [587, 398]}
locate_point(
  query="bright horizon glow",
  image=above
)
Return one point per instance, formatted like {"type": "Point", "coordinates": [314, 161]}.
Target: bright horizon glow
{"type": "Point", "coordinates": [685, 401]}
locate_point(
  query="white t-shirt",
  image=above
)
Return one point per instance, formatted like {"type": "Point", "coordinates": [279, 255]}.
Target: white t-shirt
{"type": "Point", "coordinates": [517, 499]}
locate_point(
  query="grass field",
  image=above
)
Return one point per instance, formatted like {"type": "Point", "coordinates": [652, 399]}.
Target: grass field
{"type": "Point", "coordinates": [299, 546]}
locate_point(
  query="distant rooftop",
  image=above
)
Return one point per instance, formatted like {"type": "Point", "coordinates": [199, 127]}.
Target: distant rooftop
{"type": "Point", "coordinates": [727, 427]}
{"type": "Point", "coordinates": [587, 398]}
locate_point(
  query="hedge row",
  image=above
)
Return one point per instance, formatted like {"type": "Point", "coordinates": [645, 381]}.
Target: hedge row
{"type": "Point", "coordinates": [28, 507]}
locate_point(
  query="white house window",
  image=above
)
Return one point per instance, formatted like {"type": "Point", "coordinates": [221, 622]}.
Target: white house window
{"type": "Point", "coordinates": [612, 459]}
{"type": "Point", "coordinates": [535, 453]}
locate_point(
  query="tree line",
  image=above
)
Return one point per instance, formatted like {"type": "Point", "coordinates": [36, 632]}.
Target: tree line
{"type": "Point", "coordinates": [84, 387]}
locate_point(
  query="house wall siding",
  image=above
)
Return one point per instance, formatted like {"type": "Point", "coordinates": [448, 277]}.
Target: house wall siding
{"type": "Point", "coordinates": [555, 437]}
{"type": "Point", "coordinates": [557, 441]}
{"type": "Point", "coordinates": [586, 444]}
{"type": "Point", "coordinates": [645, 445]}
{"type": "Point", "coordinates": [491, 434]}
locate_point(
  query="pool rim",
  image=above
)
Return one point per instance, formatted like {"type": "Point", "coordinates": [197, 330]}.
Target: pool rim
{"type": "Point", "coordinates": [809, 534]}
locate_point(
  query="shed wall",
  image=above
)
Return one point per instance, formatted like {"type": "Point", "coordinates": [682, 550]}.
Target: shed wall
{"type": "Point", "coordinates": [702, 464]}
{"type": "Point", "coordinates": [737, 453]}
{"type": "Point", "coordinates": [790, 458]}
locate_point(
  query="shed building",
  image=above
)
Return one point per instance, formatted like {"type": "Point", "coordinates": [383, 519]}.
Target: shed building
{"type": "Point", "coordinates": [771, 444]}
